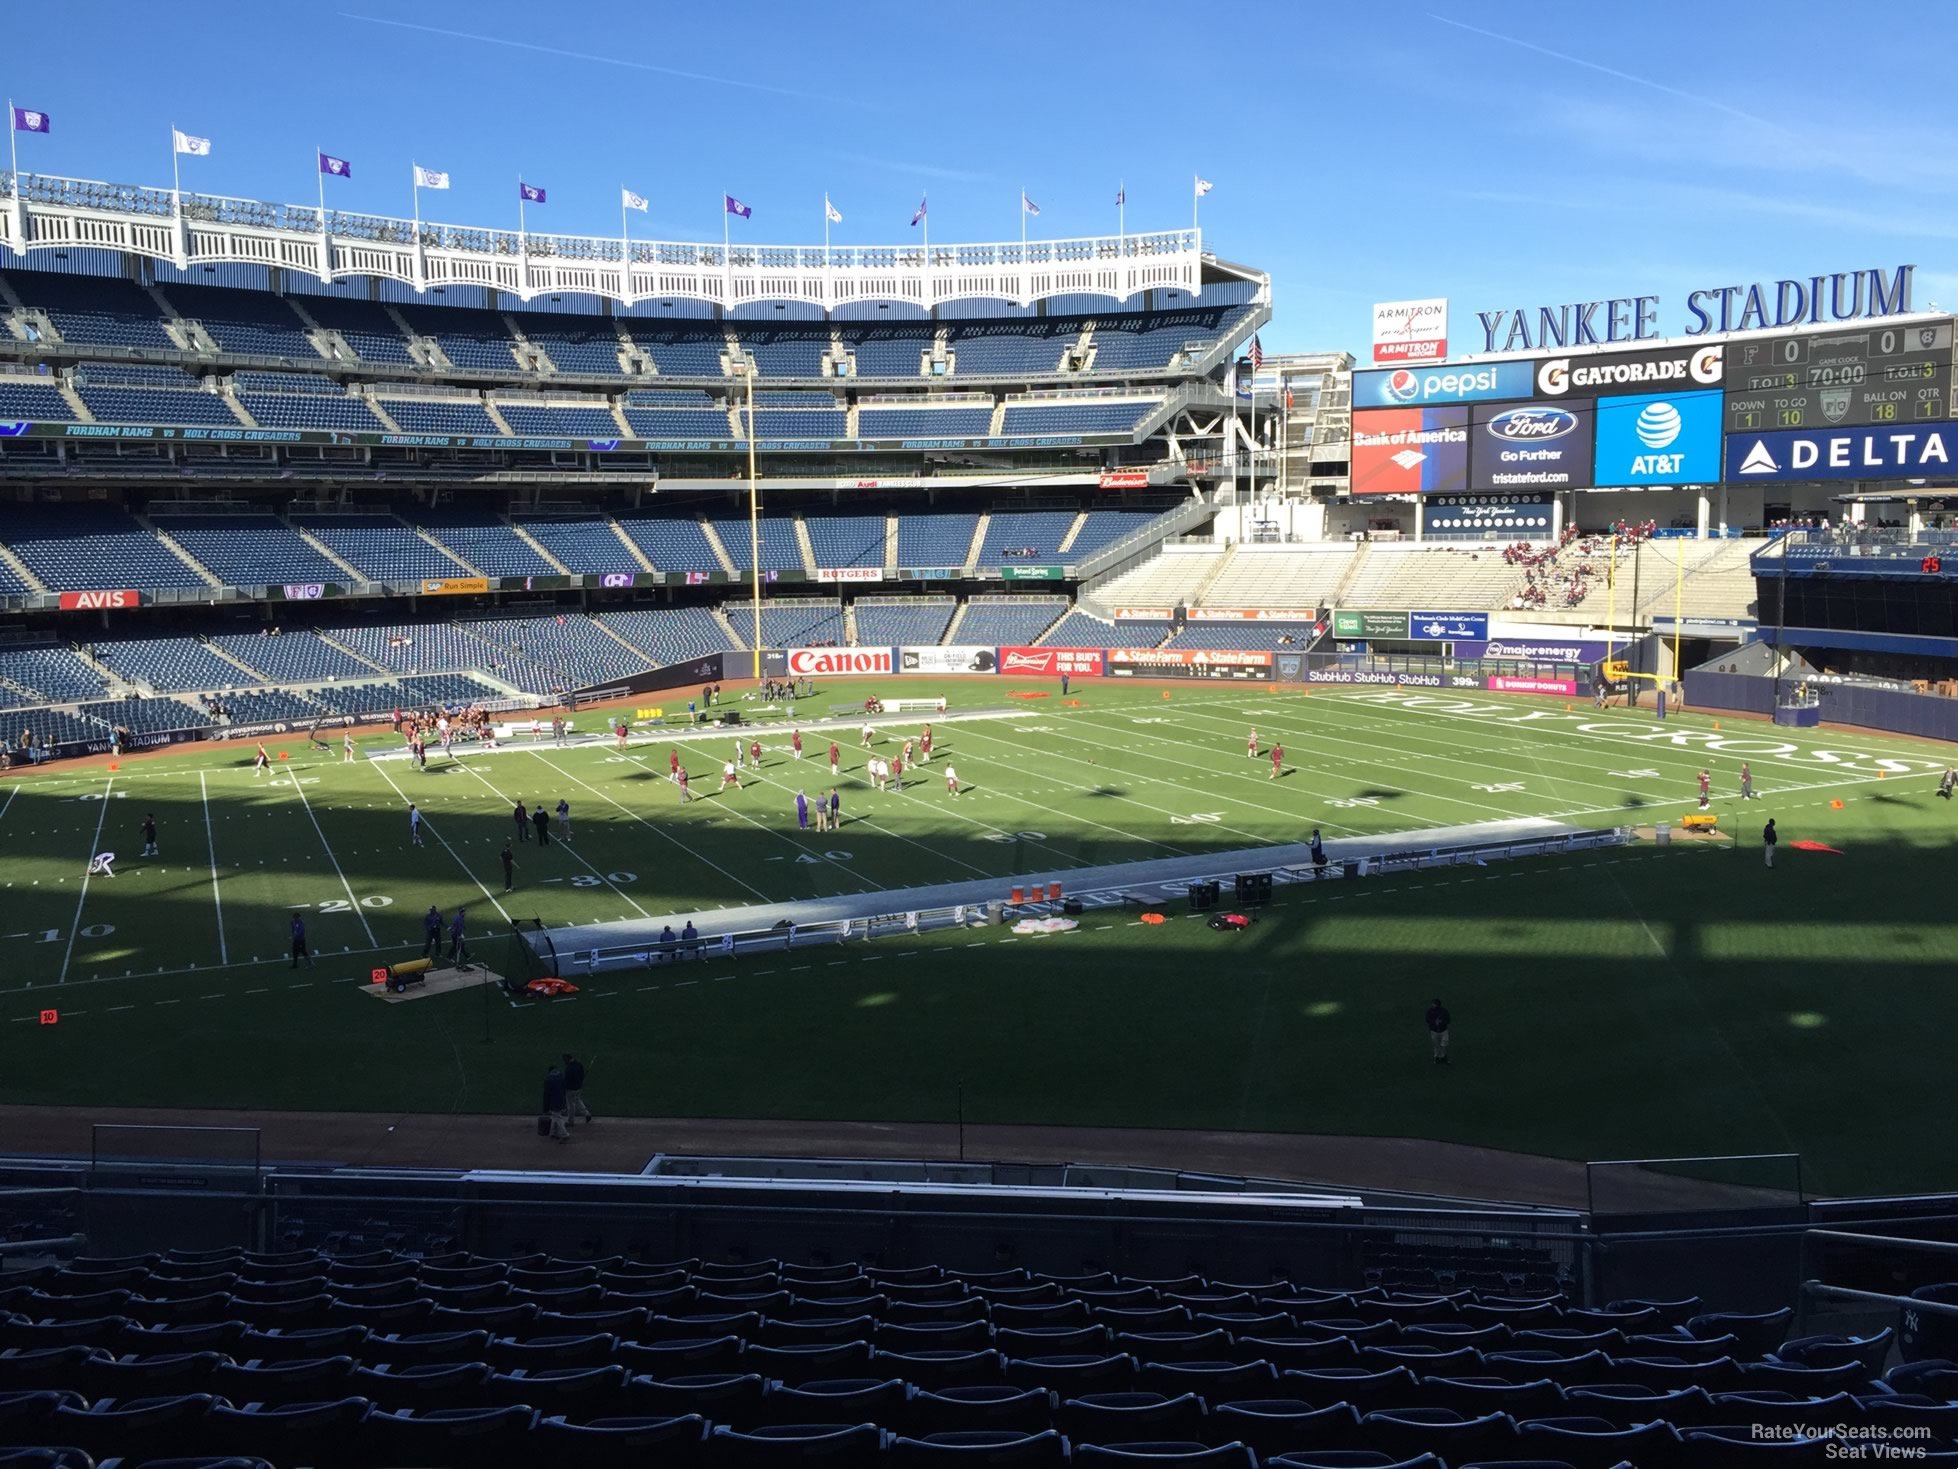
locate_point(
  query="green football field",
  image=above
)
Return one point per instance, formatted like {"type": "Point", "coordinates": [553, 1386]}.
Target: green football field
{"type": "Point", "coordinates": [1641, 1001]}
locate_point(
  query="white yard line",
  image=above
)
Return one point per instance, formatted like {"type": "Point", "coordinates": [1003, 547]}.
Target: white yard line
{"type": "Point", "coordinates": [210, 835]}
{"type": "Point", "coordinates": [576, 855]}
{"type": "Point", "coordinates": [429, 826]}
{"type": "Point", "coordinates": [95, 845]}
{"type": "Point", "coordinates": [12, 791]}
{"type": "Point", "coordinates": [663, 835]}
{"type": "Point", "coordinates": [352, 901]}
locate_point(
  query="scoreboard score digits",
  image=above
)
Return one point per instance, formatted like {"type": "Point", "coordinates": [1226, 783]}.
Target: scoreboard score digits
{"type": "Point", "coordinates": [1875, 375]}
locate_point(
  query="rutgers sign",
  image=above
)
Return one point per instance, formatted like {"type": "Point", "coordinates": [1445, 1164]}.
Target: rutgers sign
{"type": "Point", "coordinates": [809, 661]}
{"type": "Point", "coordinates": [107, 601]}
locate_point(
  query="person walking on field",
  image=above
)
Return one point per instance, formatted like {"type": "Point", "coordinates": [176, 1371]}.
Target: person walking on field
{"type": "Point", "coordinates": [554, 1105]}
{"type": "Point", "coordinates": [952, 779]}
{"type": "Point", "coordinates": [832, 759]}
{"type": "Point", "coordinates": [924, 746]}
{"type": "Point", "coordinates": [835, 811]}
{"type": "Point", "coordinates": [574, 1089]}
{"type": "Point", "coordinates": [1438, 1022]}
{"type": "Point", "coordinates": [415, 823]}
{"type": "Point", "coordinates": [509, 868]}
{"type": "Point", "coordinates": [541, 819]}
{"type": "Point", "coordinates": [522, 818]}
{"type": "Point", "coordinates": [432, 928]}
{"type": "Point", "coordinates": [563, 820]}
{"type": "Point", "coordinates": [1277, 762]}
{"type": "Point", "coordinates": [686, 790]}
{"type": "Point", "coordinates": [1706, 783]}
{"type": "Point", "coordinates": [754, 754]}
{"type": "Point", "coordinates": [1251, 743]}
{"type": "Point", "coordinates": [299, 947]}
{"type": "Point", "coordinates": [1770, 838]}
{"type": "Point", "coordinates": [347, 748]}
{"type": "Point", "coordinates": [795, 743]}
{"type": "Point", "coordinates": [149, 835]}
{"type": "Point", "coordinates": [673, 766]}
{"type": "Point", "coordinates": [261, 762]}
{"type": "Point", "coordinates": [458, 938]}
{"type": "Point", "coordinates": [1746, 781]}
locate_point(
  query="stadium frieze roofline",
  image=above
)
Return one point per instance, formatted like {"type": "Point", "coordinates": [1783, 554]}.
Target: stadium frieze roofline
{"type": "Point", "coordinates": [45, 212]}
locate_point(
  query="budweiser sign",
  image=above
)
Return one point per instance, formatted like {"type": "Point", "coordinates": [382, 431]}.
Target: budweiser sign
{"type": "Point", "coordinates": [1125, 479]}
{"type": "Point", "coordinates": [1051, 662]}
{"type": "Point", "coordinates": [811, 661]}
{"type": "Point", "coordinates": [71, 601]}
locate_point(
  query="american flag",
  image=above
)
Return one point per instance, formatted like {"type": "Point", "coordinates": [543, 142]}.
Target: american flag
{"type": "Point", "coordinates": [1257, 354]}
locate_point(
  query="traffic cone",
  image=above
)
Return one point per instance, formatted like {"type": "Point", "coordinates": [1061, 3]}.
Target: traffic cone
{"type": "Point", "coordinates": [1716, 724]}
{"type": "Point", "coordinates": [282, 754]}
{"type": "Point", "coordinates": [1879, 775]}
{"type": "Point", "coordinates": [114, 766]}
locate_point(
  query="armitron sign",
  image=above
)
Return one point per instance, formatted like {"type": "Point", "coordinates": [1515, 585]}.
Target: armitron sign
{"type": "Point", "coordinates": [811, 661]}
{"type": "Point", "coordinates": [109, 601]}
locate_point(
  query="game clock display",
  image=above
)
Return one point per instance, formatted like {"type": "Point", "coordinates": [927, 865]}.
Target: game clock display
{"type": "Point", "coordinates": [1899, 373]}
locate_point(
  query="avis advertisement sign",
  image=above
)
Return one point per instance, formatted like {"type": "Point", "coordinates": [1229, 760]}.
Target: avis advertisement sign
{"type": "Point", "coordinates": [1410, 331]}
{"type": "Point", "coordinates": [1051, 662]}
{"type": "Point", "coordinates": [948, 660]}
{"type": "Point", "coordinates": [809, 662]}
{"type": "Point", "coordinates": [103, 601]}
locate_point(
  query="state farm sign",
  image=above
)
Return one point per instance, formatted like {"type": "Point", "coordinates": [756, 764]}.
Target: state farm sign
{"type": "Point", "coordinates": [1410, 331]}
{"type": "Point", "coordinates": [810, 661]}
{"type": "Point", "coordinates": [1051, 662]}
{"type": "Point", "coordinates": [70, 601]}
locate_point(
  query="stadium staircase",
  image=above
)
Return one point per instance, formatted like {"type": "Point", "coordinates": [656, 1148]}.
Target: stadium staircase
{"type": "Point", "coordinates": [971, 559]}
{"type": "Point", "coordinates": [531, 358]}
{"type": "Point", "coordinates": [733, 419]}
{"type": "Point", "coordinates": [81, 410]}
{"type": "Point", "coordinates": [228, 395]}
{"type": "Point", "coordinates": [204, 573]}
{"type": "Point", "coordinates": [1210, 577]}
{"type": "Point", "coordinates": [805, 549]}
{"type": "Point", "coordinates": [850, 421]}
{"type": "Point", "coordinates": [525, 536]}
{"type": "Point", "coordinates": [329, 344]}
{"type": "Point", "coordinates": [425, 351]}
{"type": "Point", "coordinates": [714, 544]}
{"type": "Point", "coordinates": [890, 545]}
{"type": "Point", "coordinates": [424, 534]}
{"type": "Point", "coordinates": [733, 637]}
{"type": "Point", "coordinates": [380, 672]}
{"type": "Point", "coordinates": [850, 624]}
{"type": "Point", "coordinates": [1066, 543]}
{"type": "Point", "coordinates": [325, 550]}
{"type": "Point", "coordinates": [617, 409]}
{"type": "Point", "coordinates": [19, 568]}
{"type": "Point", "coordinates": [951, 637]}
{"type": "Point", "coordinates": [998, 424]}
{"type": "Point", "coordinates": [1338, 598]}
{"type": "Point", "coordinates": [496, 417]}
{"type": "Point", "coordinates": [375, 407]}
{"type": "Point", "coordinates": [646, 654]}
{"type": "Point", "coordinates": [633, 361]}
{"type": "Point", "coordinates": [11, 303]}
{"type": "Point", "coordinates": [639, 557]}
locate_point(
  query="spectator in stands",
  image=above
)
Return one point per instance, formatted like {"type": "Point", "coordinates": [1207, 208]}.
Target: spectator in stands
{"type": "Point", "coordinates": [1438, 1023]}
{"type": "Point", "coordinates": [554, 1105]}
{"type": "Point", "coordinates": [574, 1089]}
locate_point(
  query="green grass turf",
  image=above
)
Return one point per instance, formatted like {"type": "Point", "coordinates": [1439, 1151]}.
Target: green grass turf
{"type": "Point", "coordinates": [1631, 1003]}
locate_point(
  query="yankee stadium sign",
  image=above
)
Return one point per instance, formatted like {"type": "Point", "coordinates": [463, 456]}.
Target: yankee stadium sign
{"type": "Point", "coordinates": [1844, 296]}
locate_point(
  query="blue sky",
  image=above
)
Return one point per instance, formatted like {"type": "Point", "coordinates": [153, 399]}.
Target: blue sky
{"type": "Point", "coordinates": [1500, 154]}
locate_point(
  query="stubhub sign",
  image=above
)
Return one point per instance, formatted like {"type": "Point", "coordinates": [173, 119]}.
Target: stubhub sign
{"type": "Point", "coordinates": [1412, 387]}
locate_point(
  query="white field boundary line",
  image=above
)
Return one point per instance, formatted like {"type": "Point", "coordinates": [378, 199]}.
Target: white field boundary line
{"type": "Point", "coordinates": [210, 837]}
{"type": "Point", "coordinates": [453, 854]}
{"type": "Point", "coordinates": [659, 832]}
{"type": "Point", "coordinates": [203, 971]}
{"type": "Point", "coordinates": [575, 853]}
{"type": "Point", "coordinates": [12, 791]}
{"type": "Point", "coordinates": [1655, 746]}
{"type": "Point", "coordinates": [1204, 796]}
{"type": "Point", "coordinates": [327, 847]}
{"type": "Point", "coordinates": [95, 845]}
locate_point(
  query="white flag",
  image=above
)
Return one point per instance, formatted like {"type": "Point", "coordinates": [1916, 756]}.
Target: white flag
{"type": "Point", "coordinates": [1203, 187]}
{"type": "Point", "coordinates": [831, 212]}
{"type": "Point", "coordinates": [428, 178]}
{"type": "Point", "coordinates": [1028, 204]}
{"type": "Point", "coordinates": [633, 201]}
{"type": "Point", "coordinates": [185, 143]}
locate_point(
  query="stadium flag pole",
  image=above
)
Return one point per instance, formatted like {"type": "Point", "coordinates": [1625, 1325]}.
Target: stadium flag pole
{"type": "Point", "coordinates": [1678, 602]}
{"type": "Point", "coordinates": [415, 172]}
{"type": "Point", "coordinates": [523, 243]}
{"type": "Point", "coordinates": [176, 175]}
{"type": "Point", "coordinates": [13, 151]}
{"type": "Point", "coordinates": [754, 518]}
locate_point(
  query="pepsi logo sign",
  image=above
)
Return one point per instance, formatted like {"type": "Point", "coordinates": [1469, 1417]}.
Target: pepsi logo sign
{"type": "Point", "coordinates": [1532, 425]}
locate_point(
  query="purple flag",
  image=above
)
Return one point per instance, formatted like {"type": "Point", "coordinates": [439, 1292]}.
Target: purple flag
{"type": "Point", "coordinates": [921, 210]}
{"type": "Point", "coordinates": [529, 193]}
{"type": "Point", "coordinates": [735, 206]}
{"type": "Point", "coordinates": [338, 167]}
{"type": "Point", "coordinates": [26, 120]}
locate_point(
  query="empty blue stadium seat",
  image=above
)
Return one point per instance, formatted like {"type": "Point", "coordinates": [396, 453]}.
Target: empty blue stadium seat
{"type": "Point", "coordinates": [1072, 416]}
{"type": "Point", "coordinates": [586, 545]}
{"type": "Point", "coordinates": [297, 656]}
{"type": "Point", "coordinates": [254, 322]}
{"type": "Point", "coordinates": [365, 326]}
{"type": "Point", "coordinates": [784, 351]}
{"type": "Point", "coordinates": [670, 542]}
{"type": "Point", "coordinates": [779, 550]}
{"type": "Point", "coordinates": [35, 400]}
{"type": "Point", "coordinates": [88, 309]}
{"type": "Point", "coordinates": [897, 624]}
{"type": "Point", "coordinates": [472, 339]}
{"type": "Point", "coordinates": [439, 416]}
{"type": "Point", "coordinates": [484, 541]}
{"type": "Point", "coordinates": [886, 421]}
{"type": "Point", "coordinates": [311, 410]}
{"type": "Point", "coordinates": [1011, 531]}
{"type": "Point", "coordinates": [380, 547]}
{"type": "Point", "coordinates": [249, 550]}
{"type": "Point", "coordinates": [934, 540]}
{"type": "Point", "coordinates": [1008, 621]}
{"type": "Point", "coordinates": [888, 351]}
{"type": "Point", "coordinates": [1078, 629]}
{"type": "Point", "coordinates": [586, 346]}
{"type": "Point", "coordinates": [542, 420]}
{"type": "Point", "coordinates": [156, 405]}
{"type": "Point", "coordinates": [88, 547]}
{"type": "Point", "coordinates": [846, 540]}
{"type": "Point", "coordinates": [670, 634]}
{"type": "Point", "coordinates": [680, 350]}
{"type": "Point", "coordinates": [1019, 349]}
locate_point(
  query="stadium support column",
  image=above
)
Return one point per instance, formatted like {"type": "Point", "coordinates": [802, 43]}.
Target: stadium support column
{"type": "Point", "coordinates": [1704, 514]}
{"type": "Point", "coordinates": [1723, 510]}
{"type": "Point", "coordinates": [754, 520]}
{"type": "Point", "coordinates": [1420, 519]}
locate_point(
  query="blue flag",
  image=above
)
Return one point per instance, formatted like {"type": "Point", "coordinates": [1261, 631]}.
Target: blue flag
{"type": "Point", "coordinates": [26, 120]}
{"type": "Point", "coordinates": [736, 207]}
{"type": "Point", "coordinates": [338, 167]}
{"type": "Point", "coordinates": [530, 193]}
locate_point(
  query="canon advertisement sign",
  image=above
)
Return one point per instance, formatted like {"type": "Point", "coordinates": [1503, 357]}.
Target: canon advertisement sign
{"type": "Point", "coordinates": [1410, 331]}
{"type": "Point", "coordinates": [811, 661]}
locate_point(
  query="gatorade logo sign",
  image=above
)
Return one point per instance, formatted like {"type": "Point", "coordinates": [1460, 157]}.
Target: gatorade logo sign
{"type": "Point", "coordinates": [104, 601]}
